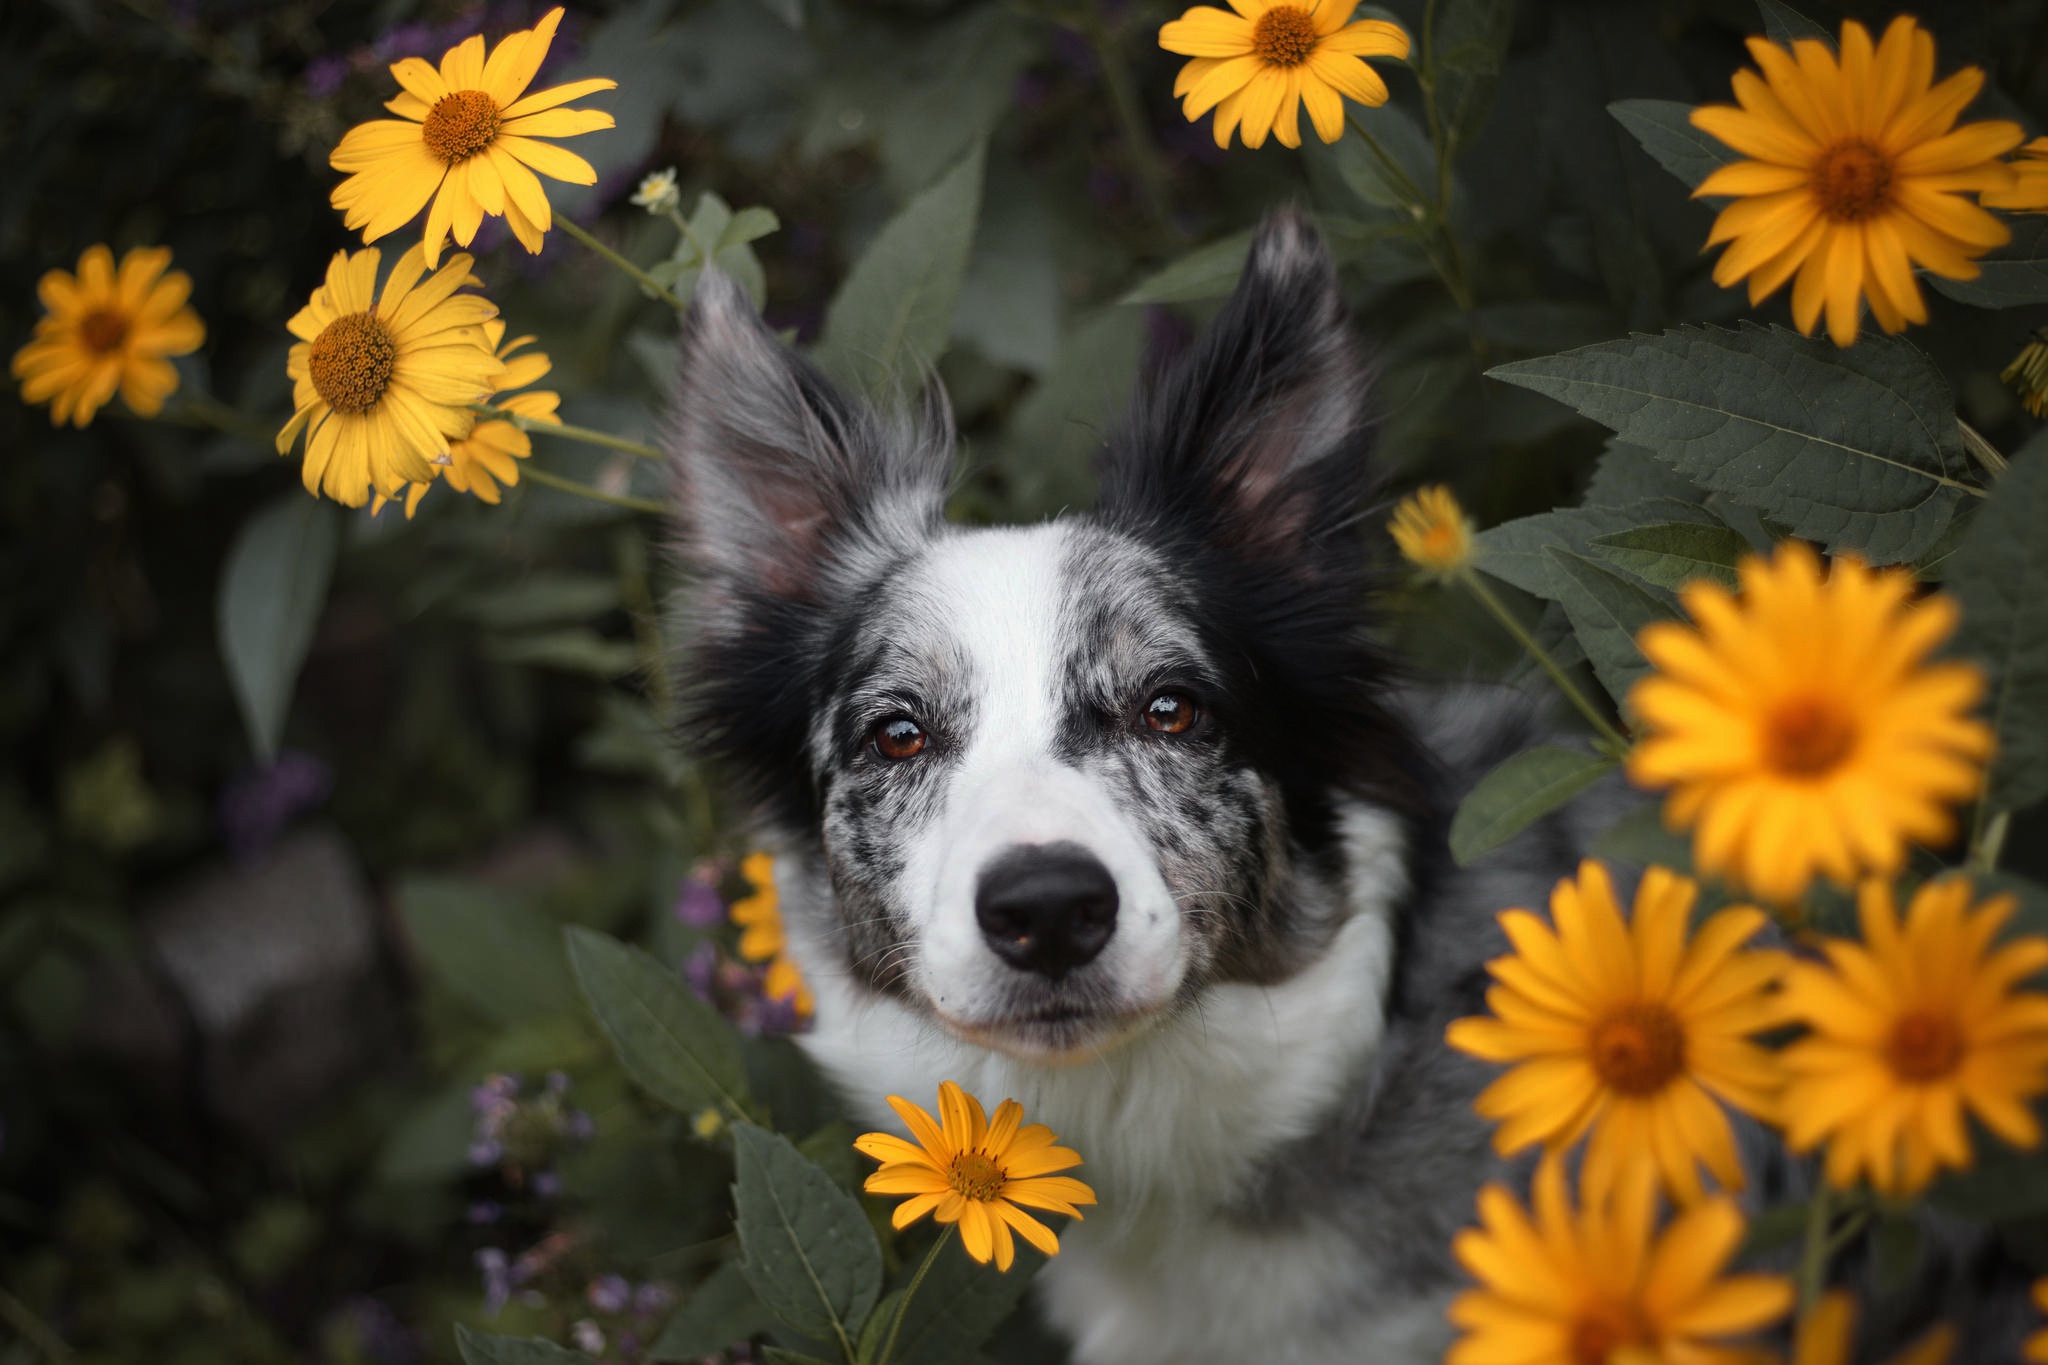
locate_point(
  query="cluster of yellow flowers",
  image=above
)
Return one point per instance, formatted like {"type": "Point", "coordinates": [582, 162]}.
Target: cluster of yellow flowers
{"type": "Point", "coordinates": [762, 939]}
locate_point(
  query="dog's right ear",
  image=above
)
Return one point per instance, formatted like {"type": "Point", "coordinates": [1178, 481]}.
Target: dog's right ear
{"type": "Point", "coordinates": [776, 476]}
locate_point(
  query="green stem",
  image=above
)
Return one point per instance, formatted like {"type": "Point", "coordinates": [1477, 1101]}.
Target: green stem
{"type": "Point", "coordinates": [1130, 119]}
{"type": "Point", "coordinates": [576, 433]}
{"type": "Point", "coordinates": [1615, 739]}
{"type": "Point", "coordinates": [1437, 241]}
{"type": "Point", "coordinates": [1990, 456]}
{"type": "Point", "coordinates": [903, 1304]}
{"type": "Point", "coordinates": [1987, 839]}
{"type": "Point", "coordinates": [646, 281]}
{"type": "Point", "coordinates": [584, 490]}
{"type": "Point", "coordinates": [1813, 1260]}
{"type": "Point", "coordinates": [196, 409]}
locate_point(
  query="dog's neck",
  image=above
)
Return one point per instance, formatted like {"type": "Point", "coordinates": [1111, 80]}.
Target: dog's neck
{"type": "Point", "coordinates": [1176, 1122]}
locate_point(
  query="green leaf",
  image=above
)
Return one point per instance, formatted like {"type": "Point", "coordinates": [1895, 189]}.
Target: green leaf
{"type": "Point", "coordinates": [1365, 175]}
{"type": "Point", "coordinates": [1783, 24]}
{"type": "Point", "coordinates": [1606, 611]}
{"type": "Point", "coordinates": [1519, 792]}
{"type": "Point", "coordinates": [1671, 554]}
{"type": "Point", "coordinates": [676, 1047]}
{"type": "Point", "coordinates": [572, 651]}
{"type": "Point", "coordinates": [1047, 450]}
{"type": "Point", "coordinates": [2000, 1186]}
{"type": "Point", "coordinates": [271, 593]}
{"type": "Point", "coordinates": [2013, 275]}
{"type": "Point", "coordinates": [2000, 576]}
{"type": "Point", "coordinates": [809, 1250]}
{"type": "Point", "coordinates": [479, 1349]}
{"type": "Point", "coordinates": [960, 1303]}
{"type": "Point", "coordinates": [895, 309]}
{"type": "Point", "coordinates": [721, 1312]}
{"type": "Point", "coordinates": [1664, 128]}
{"type": "Point", "coordinates": [1514, 550]}
{"type": "Point", "coordinates": [540, 599]}
{"type": "Point", "coordinates": [1471, 47]}
{"type": "Point", "coordinates": [776, 1355]}
{"type": "Point", "coordinates": [1641, 837]}
{"type": "Point", "coordinates": [1628, 474]}
{"type": "Point", "coordinates": [1857, 449]}
{"type": "Point", "coordinates": [1207, 272]}
{"type": "Point", "coordinates": [495, 951]}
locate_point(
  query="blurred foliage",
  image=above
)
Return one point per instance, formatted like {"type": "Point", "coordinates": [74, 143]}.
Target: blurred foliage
{"type": "Point", "coordinates": [480, 720]}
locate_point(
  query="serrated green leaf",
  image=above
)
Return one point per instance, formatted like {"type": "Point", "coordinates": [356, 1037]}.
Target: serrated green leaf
{"type": "Point", "coordinates": [1783, 24]}
{"type": "Point", "coordinates": [494, 950]}
{"type": "Point", "coordinates": [1664, 128]}
{"type": "Point", "coordinates": [1627, 475]}
{"type": "Point", "coordinates": [960, 1303]}
{"type": "Point", "coordinates": [1514, 550]}
{"type": "Point", "coordinates": [477, 1348]}
{"type": "Point", "coordinates": [676, 1047]}
{"type": "Point", "coordinates": [1606, 611]}
{"type": "Point", "coordinates": [1671, 554]}
{"type": "Point", "coordinates": [894, 311]}
{"type": "Point", "coordinates": [809, 1251]}
{"type": "Point", "coordinates": [1857, 449]}
{"type": "Point", "coordinates": [1519, 792]}
{"type": "Point", "coordinates": [719, 1313]}
{"type": "Point", "coordinates": [1207, 272]}
{"type": "Point", "coordinates": [2000, 576]}
{"type": "Point", "coordinates": [272, 589]}
{"type": "Point", "coordinates": [2014, 275]}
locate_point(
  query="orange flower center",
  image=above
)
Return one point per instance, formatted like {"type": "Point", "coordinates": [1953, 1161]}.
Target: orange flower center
{"type": "Point", "coordinates": [1806, 737]}
{"type": "Point", "coordinates": [1852, 180]}
{"type": "Point", "coordinates": [351, 362]}
{"type": "Point", "coordinates": [1637, 1048]}
{"type": "Point", "coordinates": [1605, 1329]}
{"type": "Point", "coordinates": [103, 330]}
{"type": "Point", "coordinates": [976, 1176]}
{"type": "Point", "coordinates": [1284, 35]}
{"type": "Point", "coordinates": [1924, 1048]}
{"type": "Point", "coordinates": [461, 125]}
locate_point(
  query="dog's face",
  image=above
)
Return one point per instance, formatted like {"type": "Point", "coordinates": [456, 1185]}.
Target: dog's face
{"type": "Point", "coordinates": [1059, 778]}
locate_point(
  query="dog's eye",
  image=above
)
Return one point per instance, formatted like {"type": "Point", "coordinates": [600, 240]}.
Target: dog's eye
{"type": "Point", "coordinates": [1172, 713]}
{"type": "Point", "coordinates": [899, 739]}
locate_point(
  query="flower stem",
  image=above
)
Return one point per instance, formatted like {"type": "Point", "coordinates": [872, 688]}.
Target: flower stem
{"type": "Point", "coordinates": [1614, 739]}
{"type": "Point", "coordinates": [584, 490]}
{"type": "Point", "coordinates": [1813, 1260]}
{"type": "Point", "coordinates": [1430, 216]}
{"type": "Point", "coordinates": [1990, 456]}
{"type": "Point", "coordinates": [646, 281]}
{"type": "Point", "coordinates": [1987, 839]}
{"type": "Point", "coordinates": [197, 409]}
{"type": "Point", "coordinates": [903, 1304]}
{"type": "Point", "coordinates": [575, 433]}
{"type": "Point", "coordinates": [1139, 147]}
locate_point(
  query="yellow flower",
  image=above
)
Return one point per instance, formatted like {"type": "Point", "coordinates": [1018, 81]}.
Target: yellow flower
{"type": "Point", "coordinates": [1258, 66]}
{"type": "Point", "coordinates": [2029, 192]}
{"type": "Point", "coordinates": [1598, 1286]}
{"type": "Point", "coordinates": [969, 1170]}
{"type": "Point", "coordinates": [1433, 531]}
{"type": "Point", "coordinates": [1629, 1031]}
{"type": "Point", "coordinates": [762, 939]}
{"type": "Point", "coordinates": [1908, 1030]}
{"type": "Point", "coordinates": [381, 383]}
{"type": "Point", "coordinates": [2028, 374]}
{"type": "Point", "coordinates": [1827, 1332]}
{"type": "Point", "coordinates": [1801, 728]}
{"type": "Point", "coordinates": [1857, 174]}
{"type": "Point", "coordinates": [480, 461]}
{"type": "Point", "coordinates": [2037, 1344]}
{"type": "Point", "coordinates": [466, 138]}
{"type": "Point", "coordinates": [107, 329]}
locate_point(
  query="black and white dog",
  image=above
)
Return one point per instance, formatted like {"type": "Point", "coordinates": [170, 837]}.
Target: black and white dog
{"type": "Point", "coordinates": [1117, 815]}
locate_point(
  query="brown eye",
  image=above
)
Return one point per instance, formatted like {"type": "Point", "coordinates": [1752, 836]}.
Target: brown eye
{"type": "Point", "coordinates": [899, 739]}
{"type": "Point", "coordinates": [1171, 713]}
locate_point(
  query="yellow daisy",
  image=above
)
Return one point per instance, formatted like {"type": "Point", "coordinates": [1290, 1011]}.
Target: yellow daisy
{"type": "Point", "coordinates": [969, 1170]}
{"type": "Point", "coordinates": [1827, 1336]}
{"type": "Point", "coordinates": [1910, 1029]}
{"type": "Point", "coordinates": [1628, 1030]}
{"type": "Point", "coordinates": [487, 457]}
{"type": "Point", "coordinates": [108, 329]}
{"type": "Point", "coordinates": [1433, 531]}
{"type": "Point", "coordinates": [1598, 1286]}
{"type": "Point", "coordinates": [466, 138]}
{"type": "Point", "coordinates": [2037, 1344]}
{"type": "Point", "coordinates": [2029, 191]}
{"type": "Point", "coordinates": [1258, 66]}
{"type": "Point", "coordinates": [381, 383]}
{"type": "Point", "coordinates": [1800, 727]}
{"type": "Point", "coordinates": [1857, 174]}
{"type": "Point", "coordinates": [762, 939]}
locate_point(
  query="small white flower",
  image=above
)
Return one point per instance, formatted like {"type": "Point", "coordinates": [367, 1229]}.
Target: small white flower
{"type": "Point", "coordinates": [658, 193]}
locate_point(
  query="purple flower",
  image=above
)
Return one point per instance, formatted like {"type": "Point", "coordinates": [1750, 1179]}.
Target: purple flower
{"type": "Point", "coordinates": [579, 1126]}
{"type": "Point", "coordinates": [547, 1184]}
{"type": "Point", "coordinates": [610, 1293]}
{"type": "Point", "coordinates": [700, 969]}
{"type": "Point", "coordinates": [485, 1212]}
{"type": "Point", "coordinates": [497, 1273]}
{"type": "Point", "coordinates": [324, 75]}
{"type": "Point", "coordinates": [405, 40]}
{"type": "Point", "coordinates": [651, 1300]}
{"type": "Point", "coordinates": [698, 905]}
{"type": "Point", "coordinates": [261, 804]}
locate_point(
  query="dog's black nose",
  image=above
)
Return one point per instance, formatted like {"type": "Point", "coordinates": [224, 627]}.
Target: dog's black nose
{"type": "Point", "coordinates": [1046, 908]}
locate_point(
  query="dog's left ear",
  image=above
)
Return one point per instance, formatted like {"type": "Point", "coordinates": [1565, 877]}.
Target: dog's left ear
{"type": "Point", "coordinates": [1256, 441]}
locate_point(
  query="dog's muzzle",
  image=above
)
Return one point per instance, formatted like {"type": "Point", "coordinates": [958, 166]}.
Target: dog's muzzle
{"type": "Point", "coordinates": [1046, 908]}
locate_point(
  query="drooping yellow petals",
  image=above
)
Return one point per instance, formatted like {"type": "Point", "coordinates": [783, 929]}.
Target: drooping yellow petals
{"type": "Point", "coordinates": [488, 456]}
{"type": "Point", "coordinates": [1258, 64]}
{"type": "Point", "coordinates": [762, 939]}
{"type": "Point", "coordinates": [1856, 175]}
{"type": "Point", "coordinates": [1800, 727]}
{"type": "Point", "coordinates": [1909, 1030]}
{"type": "Point", "coordinates": [1432, 531]}
{"type": "Point", "coordinates": [977, 1172]}
{"type": "Point", "coordinates": [108, 329]}
{"type": "Point", "coordinates": [1630, 1031]}
{"type": "Point", "coordinates": [2029, 190]}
